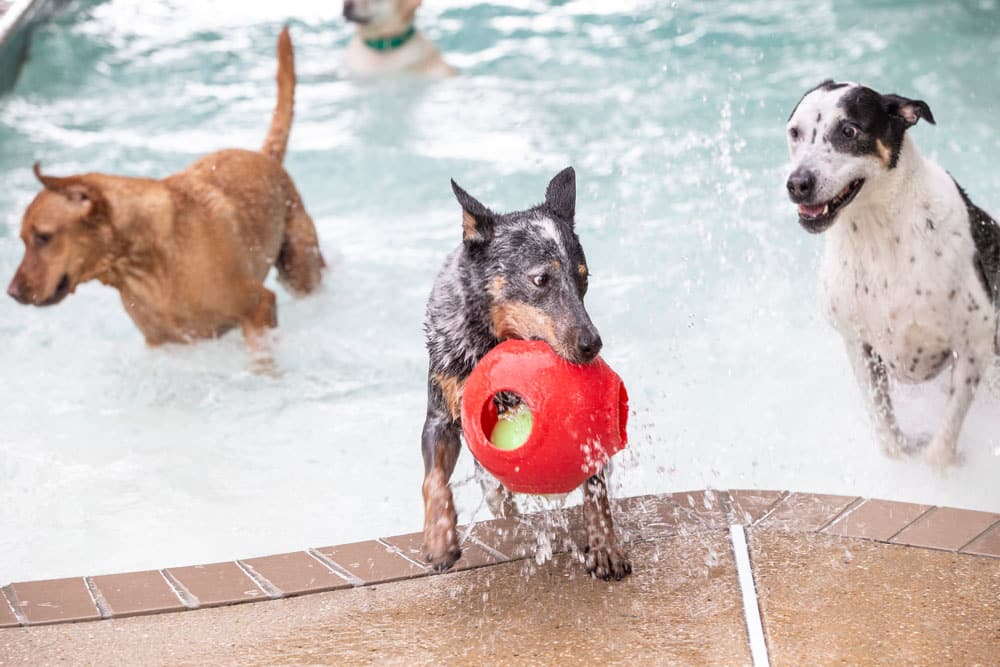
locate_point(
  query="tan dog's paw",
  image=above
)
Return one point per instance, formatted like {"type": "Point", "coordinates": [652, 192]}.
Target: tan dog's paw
{"type": "Point", "coordinates": [441, 549]}
{"type": "Point", "coordinates": [606, 562]}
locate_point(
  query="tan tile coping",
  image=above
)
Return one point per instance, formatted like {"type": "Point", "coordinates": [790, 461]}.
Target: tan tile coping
{"type": "Point", "coordinates": [639, 519]}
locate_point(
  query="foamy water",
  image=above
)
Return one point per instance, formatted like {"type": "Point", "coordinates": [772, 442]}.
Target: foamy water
{"type": "Point", "coordinates": [116, 457]}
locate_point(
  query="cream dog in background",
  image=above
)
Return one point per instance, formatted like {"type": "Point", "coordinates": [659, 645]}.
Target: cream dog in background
{"type": "Point", "coordinates": [387, 42]}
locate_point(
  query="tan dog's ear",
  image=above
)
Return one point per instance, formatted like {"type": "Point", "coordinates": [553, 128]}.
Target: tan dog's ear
{"type": "Point", "coordinates": [73, 188]}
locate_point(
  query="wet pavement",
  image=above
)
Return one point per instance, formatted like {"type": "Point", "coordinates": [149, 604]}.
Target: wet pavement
{"type": "Point", "coordinates": [837, 580]}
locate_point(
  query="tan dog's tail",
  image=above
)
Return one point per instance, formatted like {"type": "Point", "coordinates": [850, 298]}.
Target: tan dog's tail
{"type": "Point", "coordinates": [281, 122]}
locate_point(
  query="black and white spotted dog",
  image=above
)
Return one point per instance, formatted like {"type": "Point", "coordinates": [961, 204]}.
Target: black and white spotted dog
{"type": "Point", "coordinates": [911, 271]}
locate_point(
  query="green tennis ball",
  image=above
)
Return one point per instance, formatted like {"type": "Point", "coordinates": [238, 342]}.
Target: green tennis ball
{"type": "Point", "coordinates": [512, 430]}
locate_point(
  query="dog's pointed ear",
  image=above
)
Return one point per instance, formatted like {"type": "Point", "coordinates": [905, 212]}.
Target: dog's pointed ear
{"type": "Point", "coordinates": [74, 188]}
{"type": "Point", "coordinates": [477, 220]}
{"type": "Point", "coordinates": [560, 196]}
{"type": "Point", "coordinates": [909, 110]}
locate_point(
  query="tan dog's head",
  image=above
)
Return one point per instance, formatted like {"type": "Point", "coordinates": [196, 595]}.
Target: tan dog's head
{"type": "Point", "coordinates": [381, 14]}
{"type": "Point", "coordinates": [67, 237]}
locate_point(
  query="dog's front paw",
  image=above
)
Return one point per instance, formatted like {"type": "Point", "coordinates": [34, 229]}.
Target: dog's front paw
{"type": "Point", "coordinates": [941, 455]}
{"type": "Point", "coordinates": [606, 562]}
{"type": "Point", "coordinates": [441, 548]}
{"type": "Point", "coordinates": [895, 444]}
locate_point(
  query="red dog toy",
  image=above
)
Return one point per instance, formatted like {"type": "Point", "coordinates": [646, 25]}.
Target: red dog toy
{"type": "Point", "coordinates": [577, 418]}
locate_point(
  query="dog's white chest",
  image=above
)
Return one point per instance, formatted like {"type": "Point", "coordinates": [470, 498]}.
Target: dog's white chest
{"type": "Point", "coordinates": [906, 287]}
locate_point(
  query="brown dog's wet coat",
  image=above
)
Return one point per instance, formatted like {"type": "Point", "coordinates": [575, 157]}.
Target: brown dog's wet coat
{"type": "Point", "coordinates": [188, 253]}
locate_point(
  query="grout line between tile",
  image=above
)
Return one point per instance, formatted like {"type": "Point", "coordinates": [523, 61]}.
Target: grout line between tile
{"type": "Point", "coordinates": [186, 597]}
{"type": "Point", "coordinates": [851, 506]}
{"type": "Point", "coordinates": [488, 549]}
{"type": "Point", "coordinates": [329, 566]}
{"type": "Point", "coordinates": [988, 529]}
{"type": "Point", "coordinates": [95, 594]}
{"type": "Point", "coordinates": [336, 569]}
{"type": "Point", "coordinates": [398, 551]}
{"type": "Point", "coordinates": [751, 608]}
{"type": "Point", "coordinates": [896, 534]}
{"type": "Point", "coordinates": [774, 506]}
{"type": "Point", "coordinates": [270, 590]}
{"type": "Point", "coordinates": [7, 593]}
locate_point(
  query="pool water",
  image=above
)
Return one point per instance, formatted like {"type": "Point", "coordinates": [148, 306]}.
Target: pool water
{"type": "Point", "coordinates": [117, 457]}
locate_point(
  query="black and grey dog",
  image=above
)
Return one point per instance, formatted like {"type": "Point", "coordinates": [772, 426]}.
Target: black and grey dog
{"type": "Point", "coordinates": [516, 275]}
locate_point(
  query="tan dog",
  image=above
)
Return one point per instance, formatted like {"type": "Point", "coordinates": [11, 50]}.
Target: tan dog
{"type": "Point", "coordinates": [387, 41]}
{"type": "Point", "coordinates": [188, 253]}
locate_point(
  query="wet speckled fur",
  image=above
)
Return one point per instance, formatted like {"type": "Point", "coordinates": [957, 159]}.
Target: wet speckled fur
{"type": "Point", "coordinates": [515, 275]}
{"type": "Point", "coordinates": [911, 269]}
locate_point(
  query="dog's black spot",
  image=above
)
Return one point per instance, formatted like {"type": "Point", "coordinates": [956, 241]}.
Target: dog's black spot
{"type": "Point", "coordinates": [986, 237]}
{"type": "Point", "coordinates": [913, 259]}
{"type": "Point", "coordinates": [930, 224]}
{"type": "Point", "coordinates": [919, 291]}
{"type": "Point", "coordinates": [819, 117]}
{"type": "Point", "coordinates": [815, 130]}
{"type": "Point", "coordinates": [854, 226]}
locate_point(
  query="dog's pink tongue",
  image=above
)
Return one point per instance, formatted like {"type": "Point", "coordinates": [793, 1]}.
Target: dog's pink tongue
{"type": "Point", "coordinates": [811, 211]}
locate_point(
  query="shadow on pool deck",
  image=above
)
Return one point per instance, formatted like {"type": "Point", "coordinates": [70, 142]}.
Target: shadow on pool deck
{"type": "Point", "coordinates": [838, 581]}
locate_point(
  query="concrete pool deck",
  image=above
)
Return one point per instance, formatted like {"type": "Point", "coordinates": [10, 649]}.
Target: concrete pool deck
{"type": "Point", "coordinates": [834, 579]}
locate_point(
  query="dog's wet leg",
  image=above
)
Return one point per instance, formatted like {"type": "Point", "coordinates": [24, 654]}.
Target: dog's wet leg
{"type": "Point", "coordinates": [261, 317]}
{"type": "Point", "coordinates": [872, 377]}
{"type": "Point", "coordinates": [300, 263]}
{"type": "Point", "coordinates": [441, 446]}
{"type": "Point", "coordinates": [966, 375]}
{"type": "Point", "coordinates": [603, 558]}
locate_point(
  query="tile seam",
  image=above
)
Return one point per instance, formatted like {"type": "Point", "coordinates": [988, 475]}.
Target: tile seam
{"type": "Point", "coordinates": [330, 563]}
{"type": "Point", "coordinates": [327, 565]}
{"type": "Point", "coordinates": [260, 581]}
{"type": "Point", "coordinates": [774, 506]}
{"type": "Point", "coordinates": [848, 509]}
{"type": "Point", "coordinates": [7, 593]}
{"type": "Point", "coordinates": [399, 552]}
{"type": "Point", "coordinates": [103, 608]}
{"type": "Point", "coordinates": [922, 515]}
{"type": "Point", "coordinates": [490, 550]}
{"type": "Point", "coordinates": [988, 529]}
{"type": "Point", "coordinates": [748, 594]}
{"type": "Point", "coordinates": [186, 597]}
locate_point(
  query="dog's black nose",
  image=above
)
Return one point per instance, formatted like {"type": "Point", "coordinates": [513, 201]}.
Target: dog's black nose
{"type": "Point", "coordinates": [801, 185]}
{"type": "Point", "coordinates": [589, 344]}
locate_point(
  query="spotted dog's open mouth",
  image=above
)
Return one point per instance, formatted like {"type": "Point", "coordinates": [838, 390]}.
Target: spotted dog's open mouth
{"type": "Point", "coordinates": [817, 217]}
{"type": "Point", "coordinates": [62, 289]}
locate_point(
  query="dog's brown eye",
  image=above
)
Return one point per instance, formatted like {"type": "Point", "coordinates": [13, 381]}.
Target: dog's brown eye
{"type": "Point", "coordinates": [794, 133]}
{"type": "Point", "coordinates": [541, 280]}
{"type": "Point", "coordinates": [850, 131]}
{"type": "Point", "coordinates": [42, 238]}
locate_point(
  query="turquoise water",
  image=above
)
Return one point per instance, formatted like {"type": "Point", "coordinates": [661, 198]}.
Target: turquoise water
{"type": "Point", "coordinates": [115, 457]}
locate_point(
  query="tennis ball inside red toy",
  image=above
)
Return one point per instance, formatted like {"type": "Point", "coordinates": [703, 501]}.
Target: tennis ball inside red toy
{"type": "Point", "coordinates": [560, 423]}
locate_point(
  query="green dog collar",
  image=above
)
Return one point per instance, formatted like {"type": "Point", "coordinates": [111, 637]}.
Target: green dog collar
{"type": "Point", "coordinates": [390, 43]}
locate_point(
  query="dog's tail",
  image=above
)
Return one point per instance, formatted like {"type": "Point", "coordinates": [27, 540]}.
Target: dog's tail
{"type": "Point", "coordinates": [281, 121]}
